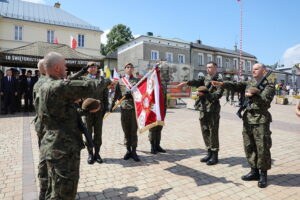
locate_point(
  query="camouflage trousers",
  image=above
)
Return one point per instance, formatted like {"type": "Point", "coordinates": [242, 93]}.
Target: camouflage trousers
{"type": "Point", "coordinates": [129, 126]}
{"type": "Point", "coordinates": [209, 122]}
{"type": "Point", "coordinates": [94, 123]}
{"type": "Point", "coordinates": [257, 144]}
{"type": "Point", "coordinates": [63, 177]}
{"type": "Point", "coordinates": [42, 172]}
{"type": "Point", "coordinates": [155, 135]}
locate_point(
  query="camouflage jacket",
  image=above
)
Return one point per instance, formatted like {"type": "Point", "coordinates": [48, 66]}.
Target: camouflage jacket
{"type": "Point", "coordinates": [256, 112]}
{"type": "Point", "coordinates": [210, 102]}
{"type": "Point", "coordinates": [58, 113]}
{"type": "Point", "coordinates": [121, 90]}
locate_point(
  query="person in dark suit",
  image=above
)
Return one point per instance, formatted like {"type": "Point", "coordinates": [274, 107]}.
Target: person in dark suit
{"type": "Point", "coordinates": [27, 85]}
{"type": "Point", "coordinates": [9, 92]}
{"type": "Point", "coordinates": [16, 74]}
{"type": "Point", "coordinates": [36, 76]}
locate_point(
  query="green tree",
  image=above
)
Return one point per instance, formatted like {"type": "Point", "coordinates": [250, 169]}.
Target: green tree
{"type": "Point", "coordinates": [119, 35]}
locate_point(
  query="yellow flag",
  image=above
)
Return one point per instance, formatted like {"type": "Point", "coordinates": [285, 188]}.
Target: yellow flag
{"type": "Point", "coordinates": [107, 73]}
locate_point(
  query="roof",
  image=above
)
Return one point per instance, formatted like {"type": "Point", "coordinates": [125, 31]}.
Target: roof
{"type": "Point", "coordinates": [28, 55]}
{"type": "Point", "coordinates": [222, 50]}
{"type": "Point", "coordinates": [40, 13]}
{"type": "Point", "coordinates": [161, 38]}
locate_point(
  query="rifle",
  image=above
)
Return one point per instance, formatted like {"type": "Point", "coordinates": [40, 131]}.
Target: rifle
{"type": "Point", "coordinates": [83, 129]}
{"type": "Point", "coordinates": [259, 86]}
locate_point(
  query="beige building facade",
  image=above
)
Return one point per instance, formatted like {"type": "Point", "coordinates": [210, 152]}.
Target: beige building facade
{"type": "Point", "coordinates": [17, 30]}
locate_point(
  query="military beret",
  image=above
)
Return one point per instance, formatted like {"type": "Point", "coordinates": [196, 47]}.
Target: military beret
{"type": "Point", "coordinates": [91, 64]}
{"type": "Point", "coordinates": [253, 90]}
{"type": "Point", "coordinates": [90, 104]}
{"type": "Point", "coordinates": [202, 89]}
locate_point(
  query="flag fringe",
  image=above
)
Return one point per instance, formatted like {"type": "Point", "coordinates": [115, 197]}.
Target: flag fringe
{"type": "Point", "coordinates": [157, 123]}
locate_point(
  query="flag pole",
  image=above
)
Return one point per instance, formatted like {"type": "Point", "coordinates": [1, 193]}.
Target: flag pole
{"type": "Point", "coordinates": [241, 39]}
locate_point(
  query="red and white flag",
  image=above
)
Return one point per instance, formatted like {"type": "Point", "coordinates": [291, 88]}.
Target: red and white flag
{"type": "Point", "coordinates": [149, 101]}
{"type": "Point", "coordinates": [73, 43]}
{"type": "Point", "coordinates": [55, 40]}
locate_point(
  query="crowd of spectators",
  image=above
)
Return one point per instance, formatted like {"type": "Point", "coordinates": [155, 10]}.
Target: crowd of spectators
{"type": "Point", "coordinates": [16, 90]}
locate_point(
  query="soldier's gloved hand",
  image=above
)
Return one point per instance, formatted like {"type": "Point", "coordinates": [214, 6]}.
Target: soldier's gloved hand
{"type": "Point", "coordinates": [84, 69]}
{"type": "Point", "coordinates": [128, 95]}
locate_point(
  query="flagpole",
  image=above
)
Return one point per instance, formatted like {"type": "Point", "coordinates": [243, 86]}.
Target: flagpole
{"type": "Point", "coordinates": [241, 38]}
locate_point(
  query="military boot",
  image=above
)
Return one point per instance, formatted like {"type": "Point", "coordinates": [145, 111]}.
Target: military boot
{"type": "Point", "coordinates": [207, 157]}
{"type": "Point", "coordinates": [90, 159]}
{"type": "Point", "coordinates": [253, 175]}
{"type": "Point", "coordinates": [97, 156]}
{"type": "Point", "coordinates": [43, 188]}
{"type": "Point", "coordinates": [158, 147]}
{"type": "Point", "coordinates": [214, 158]}
{"type": "Point", "coordinates": [134, 156]}
{"type": "Point", "coordinates": [262, 183]}
{"type": "Point", "coordinates": [128, 154]}
{"type": "Point", "coordinates": [153, 148]}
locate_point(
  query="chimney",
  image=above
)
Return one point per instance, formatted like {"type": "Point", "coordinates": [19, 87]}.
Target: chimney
{"type": "Point", "coordinates": [149, 33]}
{"type": "Point", "coordinates": [198, 42]}
{"type": "Point", "coordinates": [57, 5]}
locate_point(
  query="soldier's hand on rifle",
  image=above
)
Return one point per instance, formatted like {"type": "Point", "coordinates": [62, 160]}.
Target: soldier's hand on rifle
{"type": "Point", "coordinates": [217, 83]}
{"type": "Point", "coordinates": [252, 91]}
{"type": "Point", "coordinates": [180, 85]}
{"type": "Point", "coordinates": [201, 91]}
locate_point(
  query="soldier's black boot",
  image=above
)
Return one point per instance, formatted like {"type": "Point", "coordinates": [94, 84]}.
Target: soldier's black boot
{"type": "Point", "coordinates": [214, 158]}
{"type": "Point", "coordinates": [90, 159]}
{"type": "Point", "coordinates": [253, 175]}
{"type": "Point", "coordinates": [97, 156]}
{"type": "Point", "coordinates": [262, 183]}
{"type": "Point", "coordinates": [153, 148]}
{"type": "Point", "coordinates": [207, 157]}
{"type": "Point", "coordinates": [128, 154]}
{"type": "Point", "coordinates": [159, 149]}
{"type": "Point", "coordinates": [134, 156]}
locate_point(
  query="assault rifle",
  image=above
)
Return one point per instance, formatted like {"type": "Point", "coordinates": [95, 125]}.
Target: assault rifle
{"type": "Point", "coordinates": [259, 86]}
{"type": "Point", "coordinates": [83, 129]}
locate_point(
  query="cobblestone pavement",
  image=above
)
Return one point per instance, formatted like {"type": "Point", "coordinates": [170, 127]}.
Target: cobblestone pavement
{"type": "Point", "coordinates": [177, 174]}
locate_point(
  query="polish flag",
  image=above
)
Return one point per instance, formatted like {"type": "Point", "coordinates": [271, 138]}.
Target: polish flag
{"type": "Point", "coordinates": [116, 75]}
{"type": "Point", "coordinates": [73, 43]}
{"type": "Point", "coordinates": [55, 40]}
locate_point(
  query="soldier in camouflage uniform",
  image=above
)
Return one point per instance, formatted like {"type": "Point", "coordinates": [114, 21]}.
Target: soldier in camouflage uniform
{"type": "Point", "coordinates": [128, 117]}
{"type": "Point", "coordinates": [256, 124]}
{"type": "Point", "coordinates": [39, 128]}
{"type": "Point", "coordinates": [209, 107]}
{"type": "Point", "coordinates": [155, 132]}
{"type": "Point", "coordinates": [62, 142]}
{"type": "Point", "coordinates": [94, 121]}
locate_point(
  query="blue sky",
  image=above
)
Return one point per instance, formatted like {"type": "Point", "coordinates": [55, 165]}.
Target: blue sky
{"type": "Point", "coordinates": [270, 26]}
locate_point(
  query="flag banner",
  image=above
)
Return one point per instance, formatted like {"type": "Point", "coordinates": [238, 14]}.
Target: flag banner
{"type": "Point", "coordinates": [73, 42]}
{"type": "Point", "coordinates": [116, 75]}
{"type": "Point", "coordinates": [149, 101]}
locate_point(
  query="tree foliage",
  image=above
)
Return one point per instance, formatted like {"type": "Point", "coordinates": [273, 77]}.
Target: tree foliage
{"type": "Point", "coordinates": [119, 35]}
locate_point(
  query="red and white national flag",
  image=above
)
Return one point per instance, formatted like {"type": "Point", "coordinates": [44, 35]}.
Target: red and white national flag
{"type": "Point", "coordinates": [149, 101]}
{"type": "Point", "coordinates": [55, 40]}
{"type": "Point", "coordinates": [116, 75]}
{"type": "Point", "coordinates": [73, 44]}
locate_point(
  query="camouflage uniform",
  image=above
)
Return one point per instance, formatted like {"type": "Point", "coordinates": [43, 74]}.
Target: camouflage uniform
{"type": "Point", "coordinates": [128, 118]}
{"type": "Point", "coordinates": [94, 121]}
{"type": "Point", "coordinates": [39, 128]}
{"type": "Point", "coordinates": [209, 107]}
{"type": "Point", "coordinates": [61, 144]}
{"type": "Point", "coordinates": [155, 132]}
{"type": "Point", "coordinates": [256, 124]}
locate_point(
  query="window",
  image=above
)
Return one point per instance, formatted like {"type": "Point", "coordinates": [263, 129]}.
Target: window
{"type": "Point", "coordinates": [80, 40]}
{"type": "Point", "coordinates": [50, 36]}
{"type": "Point", "coordinates": [219, 61]}
{"type": "Point", "coordinates": [169, 57]}
{"type": "Point", "coordinates": [18, 33]}
{"type": "Point", "coordinates": [200, 59]}
{"type": "Point", "coordinates": [235, 63]}
{"type": "Point", "coordinates": [154, 55]}
{"type": "Point", "coordinates": [227, 62]}
{"type": "Point", "coordinates": [181, 58]}
{"type": "Point", "coordinates": [209, 58]}
{"type": "Point", "coordinates": [249, 66]}
{"type": "Point", "coordinates": [243, 65]}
